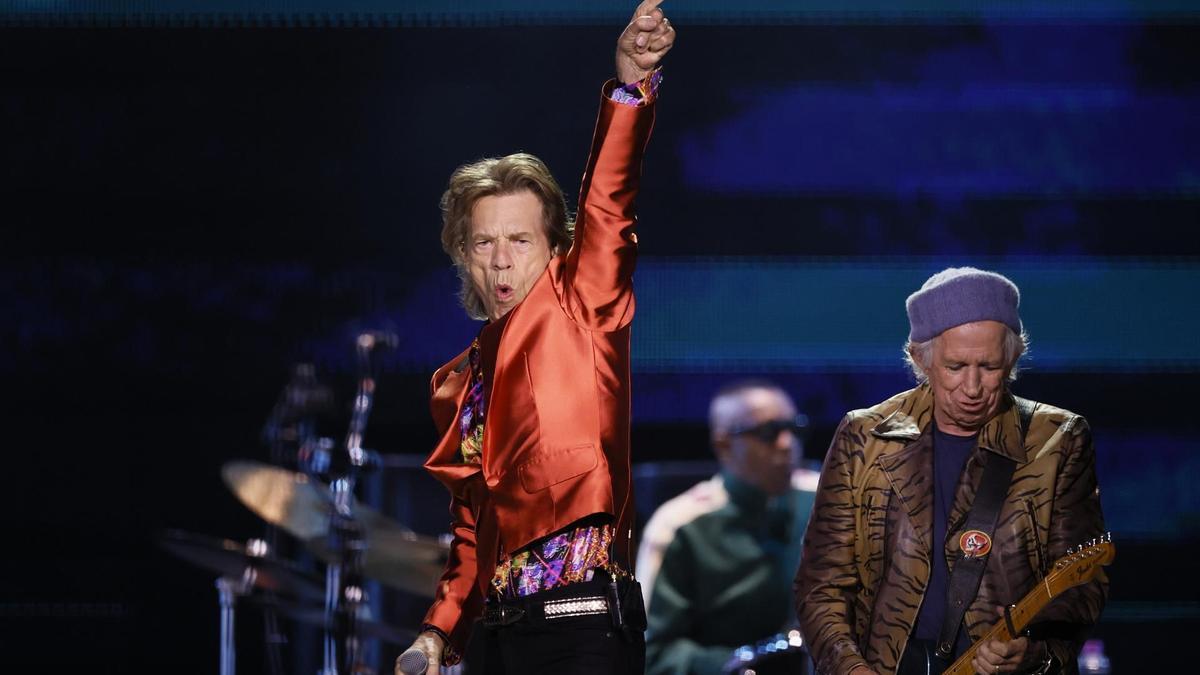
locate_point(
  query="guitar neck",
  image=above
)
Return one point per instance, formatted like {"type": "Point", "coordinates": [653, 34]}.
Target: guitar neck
{"type": "Point", "coordinates": [1020, 615]}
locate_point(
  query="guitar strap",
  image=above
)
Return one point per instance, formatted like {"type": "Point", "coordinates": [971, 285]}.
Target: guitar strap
{"type": "Point", "coordinates": [985, 510]}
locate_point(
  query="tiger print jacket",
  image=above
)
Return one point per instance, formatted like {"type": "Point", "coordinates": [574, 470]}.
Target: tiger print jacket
{"type": "Point", "coordinates": [866, 560]}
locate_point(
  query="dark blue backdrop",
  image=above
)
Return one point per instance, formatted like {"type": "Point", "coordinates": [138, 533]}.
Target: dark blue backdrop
{"type": "Point", "coordinates": [189, 210]}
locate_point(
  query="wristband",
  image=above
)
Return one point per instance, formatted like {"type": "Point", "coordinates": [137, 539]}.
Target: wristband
{"type": "Point", "coordinates": [450, 656]}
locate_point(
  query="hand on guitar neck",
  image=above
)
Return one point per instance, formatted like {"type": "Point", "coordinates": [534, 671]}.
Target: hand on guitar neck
{"type": "Point", "coordinates": [1011, 656]}
{"type": "Point", "coordinates": [1003, 649]}
{"type": "Point", "coordinates": [995, 656]}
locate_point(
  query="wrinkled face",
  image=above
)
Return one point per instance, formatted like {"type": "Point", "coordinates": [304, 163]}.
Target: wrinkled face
{"type": "Point", "coordinates": [766, 463]}
{"type": "Point", "coordinates": [967, 375]}
{"type": "Point", "coordinates": [506, 249]}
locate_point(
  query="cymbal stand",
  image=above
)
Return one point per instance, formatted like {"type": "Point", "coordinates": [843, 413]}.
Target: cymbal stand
{"type": "Point", "coordinates": [225, 592]}
{"type": "Point", "coordinates": [344, 592]}
{"type": "Point", "coordinates": [289, 428]}
{"type": "Point", "coordinates": [228, 590]}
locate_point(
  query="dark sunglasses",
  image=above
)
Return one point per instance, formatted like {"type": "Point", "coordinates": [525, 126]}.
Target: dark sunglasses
{"type": "Point", "coordinates": [769, 430]}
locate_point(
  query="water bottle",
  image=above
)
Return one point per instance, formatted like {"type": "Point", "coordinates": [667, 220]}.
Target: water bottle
{"type": "Point", "coordinates": [1092, 660]}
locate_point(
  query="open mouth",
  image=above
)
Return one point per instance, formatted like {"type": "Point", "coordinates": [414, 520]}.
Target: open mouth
{"type": "Point", "coordinates": [504, 292]}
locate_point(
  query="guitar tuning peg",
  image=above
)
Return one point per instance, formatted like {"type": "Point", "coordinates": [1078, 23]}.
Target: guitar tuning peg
{"type": "Point", "coordinates": [1071, 550]}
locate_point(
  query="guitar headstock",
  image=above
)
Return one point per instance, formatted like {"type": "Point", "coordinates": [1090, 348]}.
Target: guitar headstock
{"type": "Point", "coordinates": [1081, 564]}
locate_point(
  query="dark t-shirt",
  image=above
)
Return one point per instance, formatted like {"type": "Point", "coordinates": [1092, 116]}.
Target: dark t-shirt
{"type": "Point", "coordinates": [950, 455]}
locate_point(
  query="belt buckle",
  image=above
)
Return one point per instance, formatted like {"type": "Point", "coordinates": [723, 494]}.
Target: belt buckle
{"type": "Point", "coordinates": [502, 615]}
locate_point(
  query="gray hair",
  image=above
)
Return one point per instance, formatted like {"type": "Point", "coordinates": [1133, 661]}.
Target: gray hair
{"type": "Point", "coordinates": [918, 356]}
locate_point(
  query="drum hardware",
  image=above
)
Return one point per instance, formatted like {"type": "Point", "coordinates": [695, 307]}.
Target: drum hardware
{"type": "Point", "coordinates": [314, 615]}
{"type": "Point", "coordinates": [251, 573]}
{"type": "Point", "coordinates": [344, 592]}
{"type": "Point", "coordinates": [316, 505]}
{"type": "Point", "coordinates": [291, 425]}
{"type": "Point", "coordinates": [302, 506]}
{"type": "Point", "coordinates": [241, 569]}
{"type": "Point", "coordinates": [247, 566]}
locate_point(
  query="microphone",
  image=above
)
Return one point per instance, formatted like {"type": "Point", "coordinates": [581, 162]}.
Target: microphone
{"type": "Point", "coordinates": [413, 662]}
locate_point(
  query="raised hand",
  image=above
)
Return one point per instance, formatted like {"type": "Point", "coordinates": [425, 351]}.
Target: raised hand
{"type": "Point", "coordinates": [644, 42]}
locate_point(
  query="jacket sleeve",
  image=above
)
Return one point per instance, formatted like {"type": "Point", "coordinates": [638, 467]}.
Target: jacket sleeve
{"type": "Point", "coordinates": [596, 282]}
{"type": "Point", "coordinates": [1076, 518]}
{"type": "Point", "coordinates": [458, 601]}
{"type": "Point", "coordinates": [669, 618]}
{"type": "Point", "coordinates": [827, 580]}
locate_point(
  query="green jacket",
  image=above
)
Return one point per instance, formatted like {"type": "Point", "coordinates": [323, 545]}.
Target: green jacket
{"type": "Point", "coordinates": [728, 554]}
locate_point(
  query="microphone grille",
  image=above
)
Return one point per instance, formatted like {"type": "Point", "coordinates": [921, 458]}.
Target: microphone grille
{"type": "Point", "coordinates": [413, 662]}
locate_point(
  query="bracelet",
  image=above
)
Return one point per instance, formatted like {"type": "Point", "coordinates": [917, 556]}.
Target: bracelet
{"type": "Point", "coordinates": [450, 656]}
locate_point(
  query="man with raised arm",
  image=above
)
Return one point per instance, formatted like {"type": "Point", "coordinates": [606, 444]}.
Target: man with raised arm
{"type": "Point", "coordinates": [534, 415]}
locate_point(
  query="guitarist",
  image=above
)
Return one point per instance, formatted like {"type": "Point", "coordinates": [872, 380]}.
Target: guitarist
{"type": "Point", "coordinates": [943, 504]}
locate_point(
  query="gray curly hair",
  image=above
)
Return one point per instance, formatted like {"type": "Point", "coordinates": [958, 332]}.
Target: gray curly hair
{"type": "Point", "coordinates": [918, 356]}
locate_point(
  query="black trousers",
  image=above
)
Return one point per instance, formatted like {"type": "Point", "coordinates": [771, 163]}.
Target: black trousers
{"type": "Point", "coordinates": [579, 645]}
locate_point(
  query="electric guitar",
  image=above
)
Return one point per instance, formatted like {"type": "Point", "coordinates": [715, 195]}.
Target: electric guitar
{"type": "Point", "coordinates": [1078, 567]}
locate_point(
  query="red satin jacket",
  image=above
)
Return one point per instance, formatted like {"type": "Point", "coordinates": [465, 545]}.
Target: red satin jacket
{"type": "Point", "coordinates": [556, 440]}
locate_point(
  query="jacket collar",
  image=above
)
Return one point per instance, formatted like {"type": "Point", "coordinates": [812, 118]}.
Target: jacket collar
{"type": "Point", "coordinates": [909, 467]}
{"type": "Point", "coordinates": [747, 498]}
{"type": "Point", "coordinates": [914, 418]}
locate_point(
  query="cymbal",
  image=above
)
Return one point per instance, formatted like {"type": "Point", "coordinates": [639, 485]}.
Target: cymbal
{"type": "Point", "coordinates": [395, 555]}
{"type": "Point", "coordinates": [315, 616]}
{"type": "Point", "coordinates": [290, 500]}
{"type": "Point", "coordinates": [409, 562]}
{"type": "Point", "coordinates": [231, 559]}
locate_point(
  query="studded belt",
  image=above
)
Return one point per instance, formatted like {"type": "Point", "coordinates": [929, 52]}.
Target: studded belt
{"type": "Point", "coordinates": [503, 614]}
{"type": "Point", "coordinates": [560, 609]}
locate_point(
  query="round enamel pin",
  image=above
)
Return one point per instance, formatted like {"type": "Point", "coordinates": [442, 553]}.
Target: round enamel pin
{"type": "Point", "coordinates": [974, 544]}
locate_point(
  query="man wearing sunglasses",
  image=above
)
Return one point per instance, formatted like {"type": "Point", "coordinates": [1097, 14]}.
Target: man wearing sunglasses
{"type": "Point", "coordinates": [715, 562]}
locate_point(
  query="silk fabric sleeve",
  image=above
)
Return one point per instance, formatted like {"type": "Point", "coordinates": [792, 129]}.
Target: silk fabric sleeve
{"type": "Point", "coordinates": [597, 277]}
{"type": "Point", "coordinates": [458, 600]}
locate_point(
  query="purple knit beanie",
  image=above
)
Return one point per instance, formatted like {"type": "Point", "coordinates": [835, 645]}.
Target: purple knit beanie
{"type": "Point", "coordinates": [959, 295]}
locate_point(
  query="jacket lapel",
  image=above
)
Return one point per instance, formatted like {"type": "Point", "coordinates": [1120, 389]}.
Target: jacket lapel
{"type": "Point", "coordinates": [1002, 436]}
{"type": "Point", "coordinates": [910, 467]}
{"type": "Point", "coordinates": [450, 384]}
{"type": "Point", "coordinates": [448, 389]}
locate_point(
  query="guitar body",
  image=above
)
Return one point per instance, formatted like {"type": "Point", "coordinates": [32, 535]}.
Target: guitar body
{"type": "Point", "coordinates": [1078, 567]}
